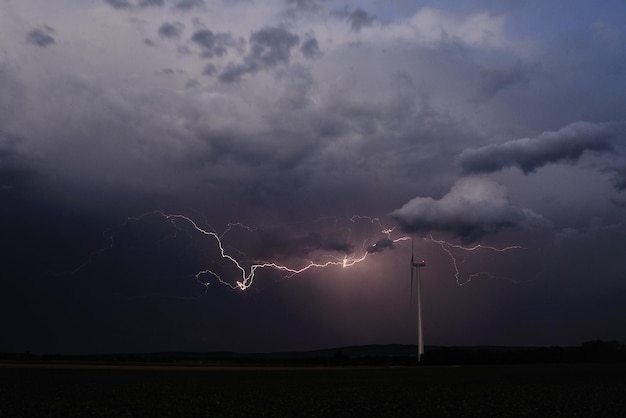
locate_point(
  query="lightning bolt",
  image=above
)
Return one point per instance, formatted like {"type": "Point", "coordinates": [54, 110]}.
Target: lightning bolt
{"type": "Point", "coordinates": [246, 271]}
{"type": "Point", "coordinates": [244, 276]}
{"type": "Point", "coordinates": [447, 248]}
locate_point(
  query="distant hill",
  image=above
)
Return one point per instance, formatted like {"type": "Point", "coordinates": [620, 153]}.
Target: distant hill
{"type": "Point", "coordinates": [384, 354]}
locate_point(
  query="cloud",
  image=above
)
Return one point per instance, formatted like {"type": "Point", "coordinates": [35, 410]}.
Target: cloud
{"type": "Point", "coordinates": [144, 3]}
{"type": "Point", "coordinates": [269, 47]}
{"type": "Point", "coordinates": [304, 4]}
{"type": "Point", "coordinates": [471, 209]}
{"type": "Point", "coordinates": [213, 44]}
{"type": "Point", "coordinates": [310, 48]}
{"type": "Point", "coordinates": [126, 4]}
{"type": "Point", "coordinates": [185, 5]}
{"type": "Point", "coordinates": [119, 4]}
{"type": "Point", "coordinates": [433, 26]}
{"type": "Point", "coordinates": [171, 30]}
{"type": "Point", "coordinates": [528, 154]}
{"type": "Point", "coordinates": [618, 177]}
{"type": "Point", "coordinates": [209, 69]}
{"type": "Point", "coordinates": [358, 18]}
{"type": "Point", "coordinates": [41, 37]}
{"type": "Point", "coordinates": [380, 246]}
{"type": "Point", "coordinates": [278, 243]}
{"type": "Point", "coordinates": [493, 80]}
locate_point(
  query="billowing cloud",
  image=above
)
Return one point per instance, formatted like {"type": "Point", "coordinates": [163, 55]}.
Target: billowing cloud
{"type": "Point", "coordinates": [269, 47]}
{"type": "Point", "coordinates": [472, 208]}
{"type": "Point", "coordinates": [186, 5]}
{"type": "Point", "coordinates": [310, 48]}
{"type": "Point", "coordinates": [357, 18]}
{"type": "Point", "coordinates": [130, 4]}
{"type": "Point", "coordinates": [493, 80]}
{"type": "Point", "coordinates": [119, 4]}
{"type": "Point", "coordinates": [618, 175]}
{"type": "Point", "coordinates": [41, 36]}
{"type": "Point", "coordinates": [213, 44]}
{"type": "Point", "coordinates": [305, 4]}
{"type": "Point", "coordinates": [528, 154]}
{"type": "Point", "coordinates": [482, 29]}
{"type": "Point", "coordinates": [171, 30]}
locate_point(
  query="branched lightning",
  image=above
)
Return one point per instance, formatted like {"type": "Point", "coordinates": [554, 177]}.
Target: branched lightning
{"type": "Point", "coordinates": [245, 270]}
{"type": "Point", "coordinates": [245, 274]}
{"type": "Point", "coordinates": [446, 247]}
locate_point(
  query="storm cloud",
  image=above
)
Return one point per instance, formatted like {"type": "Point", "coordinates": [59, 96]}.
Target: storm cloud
{"type": "Point", "coordinates": [171, 30]}
{"type": "Point", "coordinates": [471, 209]}
{"type": "Point", "coordinates": [310, 48]}
{"type": "Point", "coordinates": [528, 154]}
{"type": "Point", "coordinates": [358, 18]}
{"type": "Point", "coordinates": [41, 36]}
{"type": "Point", "coordinates": [186, 5]}
{"type": "Point", "coordinates": [129, 4]}
{"type": "Point", "coordinates": [494, 80]}
{"type": "Point", "coordinates": [269, 47]}
{"type": "Point", "coordinates": [296, 117]}
{"type": "Point", "coordinates": [213, 44]}
{"type": "Point", "coordinates": [380, 246]}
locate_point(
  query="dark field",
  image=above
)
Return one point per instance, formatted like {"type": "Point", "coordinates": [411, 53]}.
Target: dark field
{"type": "Point", "coordinates": [555, 390]}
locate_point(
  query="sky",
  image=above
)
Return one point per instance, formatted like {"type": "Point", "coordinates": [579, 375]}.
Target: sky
{"type": "Point", "coordinates": [243, 175]}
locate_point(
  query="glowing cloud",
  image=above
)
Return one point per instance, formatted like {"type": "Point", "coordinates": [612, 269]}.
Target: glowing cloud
{"type": "Point", "coordinates": [472, 208]}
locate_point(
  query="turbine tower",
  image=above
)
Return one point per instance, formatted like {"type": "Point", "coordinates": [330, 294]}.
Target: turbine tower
{"type": "Point", "coordinates": [415, 267]}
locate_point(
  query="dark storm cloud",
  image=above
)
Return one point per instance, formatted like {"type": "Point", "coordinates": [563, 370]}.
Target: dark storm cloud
{"type": "Point", "coordinates": [494, 80]}
{"type": "Point", "coordinates": [17, 177]}
{"type": "Point", "coordinates": [310, 48]}
{"type": "Point", "coordinates": [278, 243]}
{"type": "Point", "coordinates": [118, 4]}
{"type": "Point", "coordinates": [41, 37]}
{"type": "Point", "coordinates": [528, 154]}
{"type": "Point", "coordinates": [185, 5]}
{"type": "Point", "coordinates": [213, 44]}
{"type": "Point", "coordinates": [619, 176]}
{"type": "Point", "coordinates": [126, 4]}
{"type": "Point", "coordinates": [294, 7]}
{"type": "Point", "coordinates": [317, 242]}
{"type": "Point", "coordinates": [269, 47]}
{"type": "Point", "coordinates": [209, 69]}
{"type": "Point", "coordinates": [358, 18]}
{"type": "Point", "coordinates": [304, 4]}
{"type": "Point", "coordinates": [380, 246]}
{"type": "Point", "coordinates": [8, 145]}
{"type": "Point", "coordinates": [234, 73]}
{"type": "Point", "coordinates": [171, 30]}
{"type": "Point", "coordinates": [471, 209]}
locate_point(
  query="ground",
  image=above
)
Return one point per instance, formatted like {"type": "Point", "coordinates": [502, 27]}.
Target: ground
{"type": "Point", "coordinates": [62, 390]}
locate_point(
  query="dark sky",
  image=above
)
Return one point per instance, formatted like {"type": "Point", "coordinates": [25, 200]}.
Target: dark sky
{"type": "Point", "coordinates": [202, 175]}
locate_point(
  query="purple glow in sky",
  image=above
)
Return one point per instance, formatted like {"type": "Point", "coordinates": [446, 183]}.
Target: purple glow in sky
{"type": "Point", "coordinates": [479, 122]}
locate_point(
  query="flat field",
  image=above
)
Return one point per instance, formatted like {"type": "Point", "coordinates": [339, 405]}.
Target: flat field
{"type": "Point", "coordinates": [83, 390]}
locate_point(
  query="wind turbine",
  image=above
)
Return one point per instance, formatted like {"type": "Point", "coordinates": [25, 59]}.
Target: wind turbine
{"type": "Point", "coordinates": [415, 267]}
